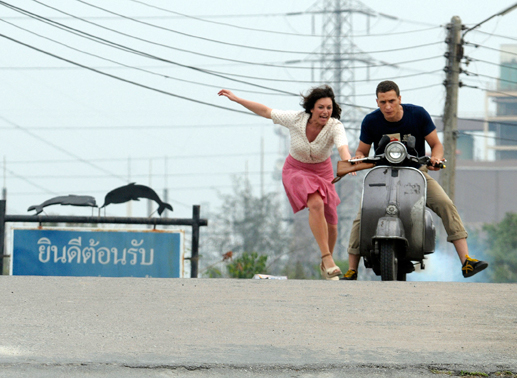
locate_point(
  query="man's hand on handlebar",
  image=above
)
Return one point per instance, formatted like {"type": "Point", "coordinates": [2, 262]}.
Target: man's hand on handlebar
{"type": "Point", "coordinates": [357, 156]}
{"type": "Point", "coordinates": [435, 164]}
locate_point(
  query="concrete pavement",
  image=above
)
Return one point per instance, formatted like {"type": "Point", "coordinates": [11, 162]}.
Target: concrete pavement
{"type": "Point", "coordinates": [136, 327]}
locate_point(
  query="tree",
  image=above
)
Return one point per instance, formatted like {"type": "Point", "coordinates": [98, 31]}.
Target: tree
{"type": "Point", "coordinates": [501, 241]}
{"type": "Point", "coordinates": [247, 224]}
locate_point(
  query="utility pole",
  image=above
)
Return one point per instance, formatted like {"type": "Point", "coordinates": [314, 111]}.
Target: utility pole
{"type": "Point", "coordinates": [450, 113]}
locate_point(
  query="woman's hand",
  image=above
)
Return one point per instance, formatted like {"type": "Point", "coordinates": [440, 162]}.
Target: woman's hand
{"type": "Point", "coordinates": [227, 93]}
{"type": "Point", "coordinates": [344, 154]}
{"type": "Point", "coordinates": [255, 107]}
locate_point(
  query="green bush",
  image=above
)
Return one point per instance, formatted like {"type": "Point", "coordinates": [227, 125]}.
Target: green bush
{"type": "Point", "coordinates": [247, 265]}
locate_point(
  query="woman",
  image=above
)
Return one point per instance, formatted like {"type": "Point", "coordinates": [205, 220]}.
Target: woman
{"type": "Point", "coordinates": [307, 172]}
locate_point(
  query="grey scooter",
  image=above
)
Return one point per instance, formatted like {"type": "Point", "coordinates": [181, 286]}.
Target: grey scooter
{"type": "Point", "coordinates": [396, 228]}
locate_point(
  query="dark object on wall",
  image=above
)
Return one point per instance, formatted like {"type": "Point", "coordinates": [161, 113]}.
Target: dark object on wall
{"type": "Point", "coordinates": [71, 200]}
{"type": "Point", "coordinates": [134, 192]}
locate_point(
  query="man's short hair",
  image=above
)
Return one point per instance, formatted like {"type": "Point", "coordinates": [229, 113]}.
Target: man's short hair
{"type": "Point", "coordinates": [386, 86]}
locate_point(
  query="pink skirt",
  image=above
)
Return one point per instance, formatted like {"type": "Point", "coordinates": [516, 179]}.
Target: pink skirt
{"type": "Point", "coordinates": [301, 179]}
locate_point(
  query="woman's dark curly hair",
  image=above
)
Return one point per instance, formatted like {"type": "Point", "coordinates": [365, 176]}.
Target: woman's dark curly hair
{"type": "Point", "coordinates": [317, 93]}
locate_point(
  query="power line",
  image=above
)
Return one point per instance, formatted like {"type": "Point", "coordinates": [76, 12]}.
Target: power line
{"type": "Point", "coordinates": [30, 182]}
{"type": "Point", "coordinates": [127, 49]}
{"type": "Point", "coordinates": [151, 88]}
{"type": "Point", "coordinates": [82, 66]}
{"type": "Point", "coordinates": [178, 79]}
{"type": "Point", "coordinates": [186, 34]}
{"type": "Point", "coordinates": [373, 65]}
{"type": "Point", "coordinates": [301, 13]}
{"type": "Point", "coordinates": [484, 120]}
{"type": "Point", "coordinates": [491, 63]}
{"type": "Point", "coordinates": [267, 31]}
{"type": "Point", "coordinates": [92, 192]}
{"type": "Point", "coordinates": [287, 64]}
{"type": "Point", "coordinates": [159, 44]}
{"type": "Point", "coordinates": [145, 175]}
{"type": "Point", "coordinates": [490, 90]}
{"type": "Point", "coordinates": [256, 15]}
{"type": "Point", "coordinates": [137, 68]}
{"type": "Point", "coordinates": [135, 127]}
{"type": "Point", "coordinates": [137, 52]}
{"type": "Point", "coordinates": [405, 90]}
{"type": "Point", "coordinates": [145, 86]}
{"type": "Point", "coordinates": [349, 81]}
{"type": "Point", "coordinates": [125, 80]}
{"type": "Point", "coordinates": [488, 136]}
{"type": "Point", "coordinates": [468, 73]}
{"type": "Point", "coordinates": [204, 174]}
{"type": "Point", "coordinates": [489, 48]}
{"type": "Point", "coordinates": [222, 42]}
{"type": "Point", "coordinates": [224, 23]}
{"type": "Point", "coordinates": [133, 159]}
{"type": "Point", "coordinates": [495, 35]}
{"type": "Point", "coordinates": [59, 148]}
{"type": "Point", "coordinates": [479, 120]}
{"type": "Point", "coordinates": [397, 33]}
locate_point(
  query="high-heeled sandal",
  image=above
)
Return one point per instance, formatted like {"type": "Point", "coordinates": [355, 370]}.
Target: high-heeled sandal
{"type": "Point", "coordinates": [330, 273]}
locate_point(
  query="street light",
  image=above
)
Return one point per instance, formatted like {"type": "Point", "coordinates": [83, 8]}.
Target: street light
{"type": "Point", "coordinates": [502, 13]}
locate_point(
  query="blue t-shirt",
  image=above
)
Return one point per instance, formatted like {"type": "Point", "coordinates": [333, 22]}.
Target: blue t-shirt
{"type": "Point", "coordinates": [415, 121]}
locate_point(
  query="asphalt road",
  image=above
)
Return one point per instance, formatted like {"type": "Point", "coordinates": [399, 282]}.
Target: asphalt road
{"type": "Point", "coordinates": [136, 327]}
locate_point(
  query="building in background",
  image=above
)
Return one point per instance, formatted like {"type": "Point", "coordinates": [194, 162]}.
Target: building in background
{"type": "Point", "coordinates": [504, 121]}
{"type": "Point", "coordinates": [486, 170]}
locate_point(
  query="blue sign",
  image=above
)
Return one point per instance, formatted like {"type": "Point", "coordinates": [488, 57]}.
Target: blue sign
{"type": "Point", "coordinates": [54, 252]}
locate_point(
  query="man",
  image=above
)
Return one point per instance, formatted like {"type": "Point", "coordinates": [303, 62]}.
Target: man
{"type": "Point", "coordinates": [392, 117]}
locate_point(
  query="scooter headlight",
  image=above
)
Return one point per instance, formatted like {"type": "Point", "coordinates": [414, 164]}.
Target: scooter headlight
{"type": "Point", "coordinates": [395, 152]}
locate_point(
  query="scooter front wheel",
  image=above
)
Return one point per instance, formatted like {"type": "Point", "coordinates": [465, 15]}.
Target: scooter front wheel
{"type": "Point", "coordinates": [389, 262]}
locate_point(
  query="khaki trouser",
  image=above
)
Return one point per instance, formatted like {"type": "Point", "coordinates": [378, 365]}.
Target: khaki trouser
{"type": "Point", "coordinates": [438, 201]}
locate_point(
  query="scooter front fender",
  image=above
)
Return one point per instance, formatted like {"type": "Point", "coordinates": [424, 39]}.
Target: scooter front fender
{"type": "Point", "coordinates": [390, 228]}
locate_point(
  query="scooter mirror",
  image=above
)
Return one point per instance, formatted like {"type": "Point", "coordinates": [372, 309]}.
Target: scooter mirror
{"type": "Point", "coordinates": [411, 142]}
{"type": "Point", "coordinates": [382, 144]}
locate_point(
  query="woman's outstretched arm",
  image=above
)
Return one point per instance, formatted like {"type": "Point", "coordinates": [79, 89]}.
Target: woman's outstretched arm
{"type": "Point", "coordinates": [255, 107]}
{"type": "Point", "coordinates": [344, 152]}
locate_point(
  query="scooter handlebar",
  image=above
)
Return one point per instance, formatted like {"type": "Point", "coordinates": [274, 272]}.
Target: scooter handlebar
{"type": "Point", "coordinates": [437, 165]}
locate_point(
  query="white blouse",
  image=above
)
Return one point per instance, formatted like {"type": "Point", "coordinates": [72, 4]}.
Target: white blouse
{"type": "Point", "coordinates": [320, 149]}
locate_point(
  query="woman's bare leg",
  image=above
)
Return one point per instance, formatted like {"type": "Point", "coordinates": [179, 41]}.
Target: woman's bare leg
{"type": "Point", "coordinates": [332, 229]}
{"type": "Point", "coordinates": [319, 228]}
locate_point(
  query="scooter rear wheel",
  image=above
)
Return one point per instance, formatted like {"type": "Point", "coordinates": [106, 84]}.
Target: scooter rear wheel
{"type": "Point", "coordinates": [389, 262]}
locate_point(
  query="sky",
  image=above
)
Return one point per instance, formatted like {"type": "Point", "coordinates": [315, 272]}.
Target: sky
{"type": "Point", "coordinates": [98, 94]}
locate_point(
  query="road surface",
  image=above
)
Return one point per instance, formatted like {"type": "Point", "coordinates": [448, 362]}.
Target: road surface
{"type": "Point", "coordinates": [145, 327]}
